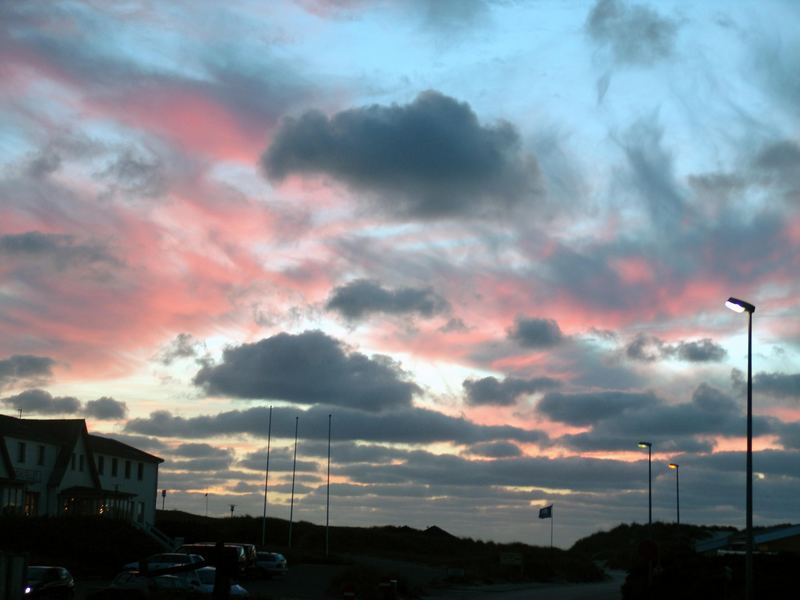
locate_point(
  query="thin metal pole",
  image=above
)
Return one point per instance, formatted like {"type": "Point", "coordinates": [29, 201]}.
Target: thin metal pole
{"type": "Point", "coordinates": [552, 518]}
{"type": "Point", "coordinates": [294, 470]}
{"type": "Point", "coordinates": [266, 483]}
{"type": "Point", "coordinates": [650, 486]}
{"type": "Point", "coordinates": [206, 504]}
{"type": "Point", "coordinates": [678, 493]}
{"type": "Point", "coordinates": [749, 547]}
{"type": "Point", "coordinates": [328, 494]}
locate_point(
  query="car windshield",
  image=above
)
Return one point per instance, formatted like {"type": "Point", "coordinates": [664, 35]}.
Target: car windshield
{"type": "Point", "coordinates": [37, 573]}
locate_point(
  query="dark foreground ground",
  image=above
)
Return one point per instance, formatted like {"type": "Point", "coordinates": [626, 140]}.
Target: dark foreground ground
{"type": "Point", "coordinates": [312, 582]}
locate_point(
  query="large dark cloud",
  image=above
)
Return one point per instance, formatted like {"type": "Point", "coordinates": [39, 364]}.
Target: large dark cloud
{"type": "Point", "coordinates": [591, 407]}
{"type": "Point", "coordinates": [491, 391]}
{"type": "Point", "coordinates": [106, 408]}
{"type": "Point", "coordinates": [24, 367]}
{"type": "Point", "coordinates": [408, 426]}
{"type": "Point", "coordinates": [650, 348]}
{"type": "Point", "coordinates": [363, 297]}
{"type": "Point", "coordinates": [618, 420]}
{"type": "Point", "coordinates": [536, 333]}
{"type": "Point", "coordinates": [635, 34]}
{"type": "Point", "coordinates": [782, 385]}
{"type": "Point", "coordinates": [308, 368]}
{"type": "Point", "coordinates": [428, 159]}
{"type": "Point", "coordinates": [42, 402]}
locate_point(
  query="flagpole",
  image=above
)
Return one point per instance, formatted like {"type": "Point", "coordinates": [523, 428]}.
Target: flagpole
{"type": "Point", "coordinates": [328, 493]}
{"type": "Point", "coordinates": [294, 470]}
{"type": "Point", "coordinates": [266, 483]}
{"type": "Point", "coordinates": [552, 518]}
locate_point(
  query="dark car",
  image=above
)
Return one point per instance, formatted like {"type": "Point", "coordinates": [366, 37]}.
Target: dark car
{"type": "Point", "coordinates": [233, 552]}
{"type": "Point", "coordinates": [48, 582]}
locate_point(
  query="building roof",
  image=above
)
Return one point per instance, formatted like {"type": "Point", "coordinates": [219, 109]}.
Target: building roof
{"type": "Point", "coordinates": [104, 445]}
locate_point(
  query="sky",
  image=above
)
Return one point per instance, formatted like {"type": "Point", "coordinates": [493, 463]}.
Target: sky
{"type": "Point", "coordinates": [492, 239]}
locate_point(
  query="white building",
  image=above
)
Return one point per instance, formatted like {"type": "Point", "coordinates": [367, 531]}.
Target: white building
{"type": "Point", "coordinates": [52, 467]}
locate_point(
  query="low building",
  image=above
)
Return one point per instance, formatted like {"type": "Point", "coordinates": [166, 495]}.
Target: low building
{"type": "Point", "coordinates": [52, 467]}
{"type": "Point", "coordinates": [781, 538]}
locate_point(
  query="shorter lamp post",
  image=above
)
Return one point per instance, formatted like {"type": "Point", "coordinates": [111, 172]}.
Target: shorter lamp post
{"type": "Point", "coordinates": [675, 467]}
{"type": "Point", "coordinates": [649, 447]}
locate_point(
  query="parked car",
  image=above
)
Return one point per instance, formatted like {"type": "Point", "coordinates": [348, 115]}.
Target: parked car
{"type": "Point", "coordinates": [249, 553]}
{"type": "Point", "coordinates": [271, 563]}
{"type": "Point", "coordinates": [48, 582]}
{"type": "Point", "coordinates": [207, 577]}
{"type": "Point", "coordinates": [165, 560]}
{"type": "Point", "coordinates": [187, 581]}
{"type": "Point", "coordinates": [207, 550]}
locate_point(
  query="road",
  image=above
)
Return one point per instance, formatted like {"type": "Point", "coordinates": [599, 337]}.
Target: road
{"type": "Point", "coordinates": [606, 590]}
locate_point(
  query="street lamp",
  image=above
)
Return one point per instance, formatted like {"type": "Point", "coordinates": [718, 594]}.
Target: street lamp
{"type": "Point", "coordinates": [675, 467]}
{"type": "Point", "coordinates": [649, 447]}
{"type": "Point", "coordinates": [741, 306]}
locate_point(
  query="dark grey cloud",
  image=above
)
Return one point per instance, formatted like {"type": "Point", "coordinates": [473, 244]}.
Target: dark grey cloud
{"type": "Point", "coordinates": [62, 250]}
{"type": "Point", "coordinates": [43, 164]}
{"type": "Point", "coordinates": [42, 402]}
{"type": "Point", "coordinates": [491, 391]}
{"type": "Point", "coordinates": [591, 407]}
{"type": "Point", "coordinates": [687, 426]}
{"type": "Point", "coordinates": [363, 297]}
{"type": "Point", "coordinates": [133, 173]}
{"type": "Point", "coordinates": [648, 348]}
{"type": "Point", "coordinates": [308, 368]}
{"type": "Point", "coordinates": [408, 425]}
{"type": "Point", "coordinates": [781, 385]}
{"type": "Point", "coordinates": [281, 460]}
{"type": "Point", "coordinates": [650, 172]}
{"type": "Point", "coordinates": [183, 346]}
{"type": "Point", "coordinates": [536, 333]}
{"type": "Point", "coordinates": [427, 159]}
{"type": "Point", "coordinates": [106, 408]}
{"type": "Point", "coordinates": [496, 450]}
{"type": "Point", "coordinates": [24, 367]}
{"type": "Point", "coordinates": [635, 34]}
{"type": "Point", "coordinates": [200, 450]}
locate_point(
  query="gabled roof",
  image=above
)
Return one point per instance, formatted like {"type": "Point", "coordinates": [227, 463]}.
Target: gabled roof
{"type": "Point", "coordinates": [104, 445]}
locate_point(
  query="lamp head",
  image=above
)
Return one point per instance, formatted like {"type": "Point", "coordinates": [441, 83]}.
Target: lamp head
{"type": "Point", "coordinates": [739, 306]}
{"type": "Point", "coordinates": [645, 444]}
{"type": "Point", "coordinates": [673, 466]}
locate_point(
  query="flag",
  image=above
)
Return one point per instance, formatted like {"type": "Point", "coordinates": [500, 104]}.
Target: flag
{"type": "Point", "coordinates": [546, 512]}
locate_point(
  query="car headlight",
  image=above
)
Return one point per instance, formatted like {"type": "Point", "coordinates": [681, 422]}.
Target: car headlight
{"type": "Point", "coordinates": [28, 589]}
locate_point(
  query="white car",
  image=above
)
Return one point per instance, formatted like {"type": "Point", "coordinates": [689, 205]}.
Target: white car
{"type": "Point", "coordinates": [166, 560]}
{"type": "Point", "coordinates": [207, 577]}
{"type": "Point", "coordinates": [271, 563]}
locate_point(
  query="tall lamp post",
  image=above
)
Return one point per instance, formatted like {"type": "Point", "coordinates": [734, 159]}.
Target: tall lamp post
{"type": "Point", "coordinates": [649, 446]}
{"type": "Point", "coordinates": [675, 467]}
{"type": "Point", "coordinates": [741, 306]}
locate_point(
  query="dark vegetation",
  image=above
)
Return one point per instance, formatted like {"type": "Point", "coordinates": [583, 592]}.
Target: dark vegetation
{"type": "Point", "coordinates": [86, 546]}
{"type": "Point", "coordinates": [463, 558]}
{"type": "Point", "coordinates": [662, 564]}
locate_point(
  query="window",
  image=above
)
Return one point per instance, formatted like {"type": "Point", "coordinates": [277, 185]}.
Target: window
{"type": "Point", "coordinates": [40, 458]}
{"type": "Point", "coordinates": [140, 471]}
{"type": "Point", "coordinates": [101, 464]}
{"type": "Point", "coordinates": [80, 462]}
{"type": "Point", "coordinates": [113, 467]}
{"type": "Point", "coordinates": [20, 452]}
{"type": "Point", "coordinates": [127, 469]}
{"type": "Point", "coordinates": [72, 462]}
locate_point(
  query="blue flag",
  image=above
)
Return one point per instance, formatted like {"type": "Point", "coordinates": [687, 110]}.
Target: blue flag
{"type": "Point", "coordinates": [546, 512]}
